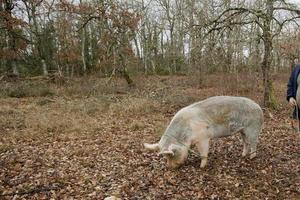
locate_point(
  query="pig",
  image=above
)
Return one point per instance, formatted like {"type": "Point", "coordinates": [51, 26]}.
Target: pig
{"type": "Point", "coordinates": [214, 117]}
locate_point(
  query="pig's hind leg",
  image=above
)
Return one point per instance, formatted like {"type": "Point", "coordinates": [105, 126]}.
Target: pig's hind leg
{"type": "Point", "coordinates": [246, 144]}
{"type": "Point", "coordinates": [250, 138]}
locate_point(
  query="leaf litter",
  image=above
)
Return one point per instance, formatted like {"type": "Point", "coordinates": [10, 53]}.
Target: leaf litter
{"type": "Point", "coordinates": [60, 151]}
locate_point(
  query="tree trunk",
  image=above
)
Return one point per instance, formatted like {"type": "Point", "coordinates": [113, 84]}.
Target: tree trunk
{"type": "Point", "coordinates": [15, 70]}
{"type": "Point", "coordinates": [267, 82]}
{"type": "Point", "coordinates": [38, 38]}
{"type": "Point", "coordinates": [11, 43]}
{"type": "Point", "coordinates": [45, 71]}
{"type": "Point", "coordinates": [125, 71]}
{"type": "Point", "coordinates": [173, 53]}
{"type": "Point", "coordinates": [83, 54]}
{"type": "Point", "coordinates": [83, 48]}
{"type": "Point", "coordinates": [162, 44]}
{"type": "Point", "coordinates": [137, 47]}
{"type": "Point", "coordinates": [269, 98]}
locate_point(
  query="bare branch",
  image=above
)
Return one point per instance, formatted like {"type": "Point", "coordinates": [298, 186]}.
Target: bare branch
{"type": "Point", "coordinates": [230, 25]}
{"type": "Point", "coordinates": [90, 18]}
{"type": "Point", "coordinates": [281, 24]}
{"type": "Point", "coordinates": [297, 11]}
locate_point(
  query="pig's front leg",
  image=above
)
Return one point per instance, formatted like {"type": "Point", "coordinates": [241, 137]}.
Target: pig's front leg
{"type": "Point", "coordinates": [203, 147]}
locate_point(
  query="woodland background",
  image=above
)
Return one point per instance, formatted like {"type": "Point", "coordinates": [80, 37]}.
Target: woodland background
{"type": "Point", "coordinates": [110, 37]}
{"type": "Point", "coordinates": [85, 83]}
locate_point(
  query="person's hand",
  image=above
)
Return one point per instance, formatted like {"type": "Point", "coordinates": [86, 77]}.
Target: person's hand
{"type": "Point", "coordinates": [292, 101]}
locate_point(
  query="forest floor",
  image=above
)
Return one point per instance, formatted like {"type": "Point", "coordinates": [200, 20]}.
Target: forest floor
{"type": "Point", "coordinates": [83, 140]}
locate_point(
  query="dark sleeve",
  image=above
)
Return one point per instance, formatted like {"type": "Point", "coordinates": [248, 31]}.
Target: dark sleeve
{"type": "Point", "coordinates": [291, 86]}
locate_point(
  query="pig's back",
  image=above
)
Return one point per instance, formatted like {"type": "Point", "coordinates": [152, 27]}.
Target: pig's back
{"type": "Point", "coordinates": [232, 101]}
{"type": "Point", "coordinates": [225, 107]}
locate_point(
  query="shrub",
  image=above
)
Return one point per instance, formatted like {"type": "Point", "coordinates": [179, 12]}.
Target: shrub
{"type": "Point", "coordinates": [26, 90]}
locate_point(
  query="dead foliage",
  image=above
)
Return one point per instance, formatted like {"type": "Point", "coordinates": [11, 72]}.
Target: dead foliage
{"type": "Point", "coordinates": [88, 145]}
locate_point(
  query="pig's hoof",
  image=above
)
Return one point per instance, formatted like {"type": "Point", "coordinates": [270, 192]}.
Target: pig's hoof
{"type": "Point", "coordinates": [202, 165]}
{"type": "Point", "coordinates": [253, 155]}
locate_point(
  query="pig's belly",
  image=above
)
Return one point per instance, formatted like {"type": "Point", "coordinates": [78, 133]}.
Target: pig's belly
{"type": "Point", "coordinates": [224, 130]}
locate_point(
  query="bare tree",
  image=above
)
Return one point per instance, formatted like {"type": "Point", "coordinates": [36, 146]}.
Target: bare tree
{"type": "Point", "coordinates": [264, 17]}
{"type": "Point", "coordinates": [288, 48]}
{"type": "Point", "coordinates": [12, 35]}
{"type": "Point", "coordinates": [36, 34]}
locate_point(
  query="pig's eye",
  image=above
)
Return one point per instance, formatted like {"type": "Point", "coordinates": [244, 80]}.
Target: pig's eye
{"type": "Point", "coordinates": [170, 156]}
{"type": "Point", "coordinates": [176, 153]}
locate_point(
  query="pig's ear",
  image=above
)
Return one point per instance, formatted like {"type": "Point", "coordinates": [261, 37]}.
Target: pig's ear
{"type": "Point", "coordinates": [167, 152]}
{"type": "Point", "coordinates": [175, 148]}
{"type": "Point", "coordinates": [152, 147]}
{"type": "Point", "coordinates": [172, 151]}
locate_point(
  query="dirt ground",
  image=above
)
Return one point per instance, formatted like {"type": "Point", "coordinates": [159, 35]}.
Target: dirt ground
{"type": "Point", "coordinates": [85, 142]}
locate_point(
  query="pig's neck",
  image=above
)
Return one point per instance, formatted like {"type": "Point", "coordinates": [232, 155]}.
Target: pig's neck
{"type": "Point", "coordinates": [178, 133]}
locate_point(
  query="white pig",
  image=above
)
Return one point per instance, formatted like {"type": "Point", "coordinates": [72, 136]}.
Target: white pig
{"type": "Point", "coordinates": [218, 116]}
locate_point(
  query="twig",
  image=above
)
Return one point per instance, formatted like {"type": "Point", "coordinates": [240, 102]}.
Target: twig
{"type": "Point", "coordinates": [51, 100]}
{"type": "Point", "coordinates": [111, 76]}
{"type": "Point", "coordinates": [38, 189]}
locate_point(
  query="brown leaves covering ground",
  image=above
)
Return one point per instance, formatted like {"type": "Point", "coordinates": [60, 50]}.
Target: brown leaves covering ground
{"type": "Point", "coordinates": [91, 147]}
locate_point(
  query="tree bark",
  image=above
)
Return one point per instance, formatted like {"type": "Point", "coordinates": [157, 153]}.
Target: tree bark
{"type": "Point", "coordinates": [45, 71]}
{"type": "Point", "coordinates": [83, 48]}
{"type": "Point", "coordinates": [269, 99]}
{"type": "Point", "coordinates": [83, 53]}
{"type": "Point", "coordinates": [15, 70]}
{"type": "Point", "coordinates": [31, 8]}
{"type": "Point", "coordinates": [11, 42]}
{"type": "Point", "coordinates": [125, 71]}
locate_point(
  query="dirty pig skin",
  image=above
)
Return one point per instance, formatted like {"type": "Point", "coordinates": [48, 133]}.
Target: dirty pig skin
{"type": "Point", "coordinates": [215, 117]}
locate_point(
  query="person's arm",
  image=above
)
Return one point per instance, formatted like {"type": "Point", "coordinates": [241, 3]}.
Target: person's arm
{"type": "Point", "coordinates": [290, 86]}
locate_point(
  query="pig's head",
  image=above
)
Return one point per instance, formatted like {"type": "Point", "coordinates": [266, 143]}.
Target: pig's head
{"type": "Point", "coordinates": [175, 154]}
